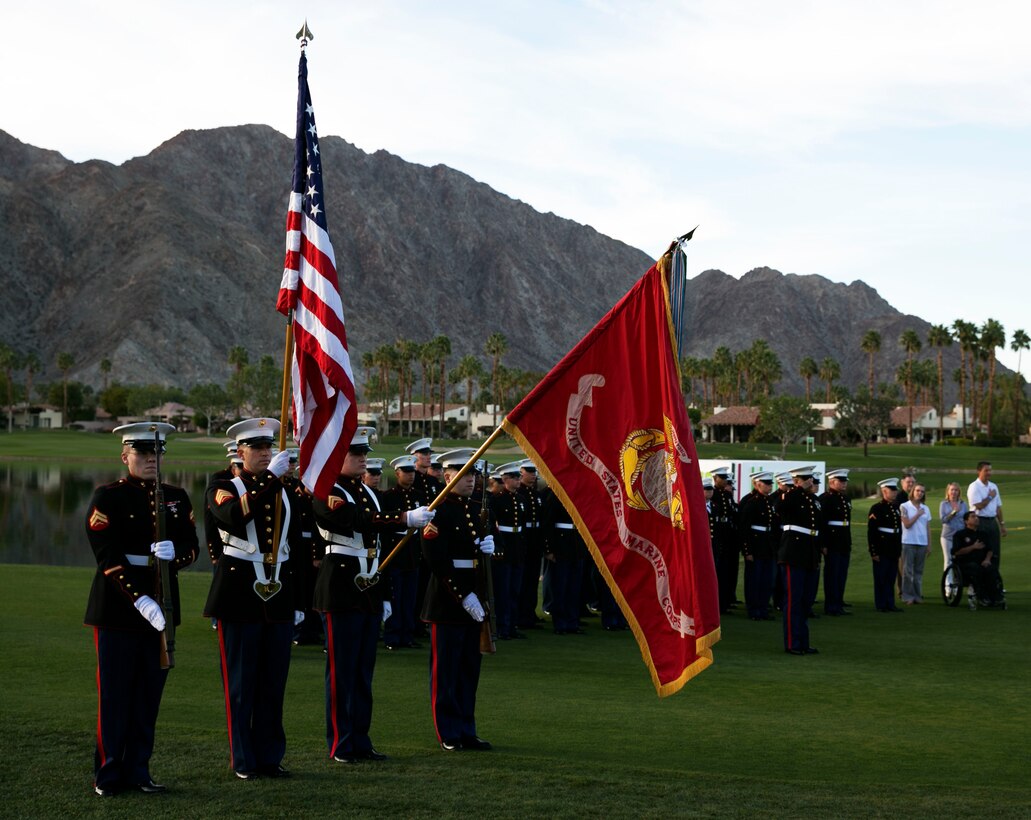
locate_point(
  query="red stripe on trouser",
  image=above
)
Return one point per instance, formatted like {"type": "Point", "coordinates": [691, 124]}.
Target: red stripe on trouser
{"type": "Point", "coordinates": [433, 678]}
{"type": "Point", "coordinates": [100, 728]}
{"type": "Point", "coordinates": [225, 689]}
{"type": "Point", "coordinates": [788, 607]}
{"type": "Point", "coordinates": [332, 682]}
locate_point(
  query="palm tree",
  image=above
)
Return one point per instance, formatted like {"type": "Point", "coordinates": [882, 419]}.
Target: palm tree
{"type": "Point", "coordinates": [495, 347]}
{"type": "Point", "coordinates": [764, 368]}
{"type": "Point", "coordinates": [427, 356]}
{"type": "Point", "coordinates": [65, 362]}
{"type": "Point", "coordinates": [910, 342]}
{"type": "Point", "coordinates": [992, 336]}
{"type": "Point", "coordinates": [870, 344]}
{"type": "Point", "coordinates": [442, 347]}
{"type": "Point", "coordinates": [688, 371]}
{"type": "Point", "coordinates": [406, 352]}
{"type": "Point", "coordinates": [939, 338]}
{"type": "Point", "coordinates": [105, 370]}
{"type": "Point", "coordinates": [468, 370]}
{"type": "Point", "coordinates": [724, 373]}
{"type": "Point", "coordinates": [385, 357]}
{"type": "Point", "coordinates": [31, 365]}
{"type": "Point", "coordinates": [10, 361]}
{"type": "Point", "coordinates": [239, 359]}
{"type": "Point", "coordinates": [830, 371]}
{"type": "Point", "coordinates": [807, 368]}
{"type": "Point", "coordinates": [1018, 343]}
{"type": "Point", "coordinates": [965, 334]}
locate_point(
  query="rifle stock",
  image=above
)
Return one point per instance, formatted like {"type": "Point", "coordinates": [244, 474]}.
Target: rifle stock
{"type": "Point", "coordinates": [164, 585]}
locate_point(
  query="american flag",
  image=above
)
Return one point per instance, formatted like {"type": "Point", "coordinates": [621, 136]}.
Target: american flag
{"type": "Point", "coordinates": [324, 411]}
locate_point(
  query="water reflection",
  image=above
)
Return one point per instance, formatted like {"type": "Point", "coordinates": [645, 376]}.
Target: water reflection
{"type": "Point", "coordinates": [43, 509]}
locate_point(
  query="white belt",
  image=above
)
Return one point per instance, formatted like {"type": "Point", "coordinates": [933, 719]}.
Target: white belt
{"type": "Point", "coordinates": [138, 560]}
{"type": "Point", "coordinates": [889, 530]}
{"type": "Point", "coordinates": [343, 549]}
{"type": "Point", "coordinates": [836, 524]}
{"type": "Point", "coordinates": [253, 555]}
{"type": "Point", "coordinates": [796, 528]}
{"type": "Point", "coordinates": [563, 526]}
{"type": "Point", "coordinates": [503, 528]}
{"type": "Point", "coordinates": [529, 525]}
{"type": "Point", "coordinates": [761, 528]}
{"type": "Point", "coordinates": [464, 563]}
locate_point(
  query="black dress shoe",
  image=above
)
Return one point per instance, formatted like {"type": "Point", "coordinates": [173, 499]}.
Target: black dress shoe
{"type": "Point", "coordinates": [273, 771]}
{"type": "Point", "coordinates": [451, 745]}
{"type": "Point", "coordinates": [247, 775]}
{"type": "Point", "coordinates": [150, 787]}
{"type": "Point", "coordinates": [105, 791]}
{"type": "Point", "coordinates": [578, 631]}
{"type": "Point", "coordinates": [795, 651]}
{"type": "Point", "coordinates": [476, 744]}
{"type": "Point", "coordinates": [350, 758]}
{"type": "Point", "coordinates": [520, 635]}
{"type": "Point", "coordinates": [894, 609]}
{"type": "Point", "coordinates": [372, 754]}
{"type": "Point", "coordinates": [390, 646]}
{"type": "Point", "coordinates": [812, 650]}
{"type": "Point", "coordinates": [412, 645]}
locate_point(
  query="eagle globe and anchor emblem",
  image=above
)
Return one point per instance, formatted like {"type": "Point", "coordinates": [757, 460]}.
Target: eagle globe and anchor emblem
{"type": "Point", "coordinates": [648, 479]}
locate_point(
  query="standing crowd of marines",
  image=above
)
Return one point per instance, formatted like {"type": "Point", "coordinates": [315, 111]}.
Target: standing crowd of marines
{"type": "Point", "coordinates": [290, 568]}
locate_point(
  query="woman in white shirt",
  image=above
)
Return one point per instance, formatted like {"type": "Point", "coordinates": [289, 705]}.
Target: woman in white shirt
{"type": "Point", "coordinates": [916, 527]}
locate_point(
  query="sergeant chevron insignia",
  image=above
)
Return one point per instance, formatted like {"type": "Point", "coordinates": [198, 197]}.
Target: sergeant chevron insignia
{"type": "Point", "coordinates": [222, 496]}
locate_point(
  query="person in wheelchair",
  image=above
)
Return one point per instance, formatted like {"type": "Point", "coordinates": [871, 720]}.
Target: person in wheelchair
{"type": "Point", "coordinates": [973, 559]}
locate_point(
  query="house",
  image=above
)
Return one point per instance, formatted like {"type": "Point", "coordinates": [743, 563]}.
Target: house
{"type": "Point", "coordinates": [729, 424]}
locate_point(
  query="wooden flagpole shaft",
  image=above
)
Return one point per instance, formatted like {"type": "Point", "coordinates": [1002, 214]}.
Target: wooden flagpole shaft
{"type": "Point", "coordinates": [284, 408]}
{"type": "Point", "coordinates": [434, 504]}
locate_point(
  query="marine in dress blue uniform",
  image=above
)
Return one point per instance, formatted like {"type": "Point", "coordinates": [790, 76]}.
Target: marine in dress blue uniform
{"type": "Point", "coordinates": [759, 542]}
{"type": "Point", "coordinates": [533, 545]}
{"type": "Point", "coordinates": [256, 597]}
{"type": "Point", "coordinates": [127, 620]}
{"type": "Point", "coordinates": [836, 509]}
{"type": "Point", "coordinates": [884, 540]}
{"type": "Point", "coordinates": [726, 545]}
{"type": "Point", "coordinates": [564, 549]}
{"type": "Point", "coordinates": [507, 516]}
{"type": "Point", "coordinates": [798, 557]}
{"type": "Point", "coordinates": [349, 522]}
{"type": "Point", "coordinates": [454, 609]}
{"type": "Point", "coordinates": [399, 629]}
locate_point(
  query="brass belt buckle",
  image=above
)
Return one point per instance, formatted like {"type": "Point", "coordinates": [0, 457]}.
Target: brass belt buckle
{"type": "Point", "coordinates": [268, 558]}
{"type": "Point", "coordinates": [370, 553]}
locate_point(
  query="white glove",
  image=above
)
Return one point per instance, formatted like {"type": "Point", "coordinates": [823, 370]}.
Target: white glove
{"type": "Point", "coordinates": [150, 610]}
{"type": "Point", "coordinates": [165, 550]}
{"type": "Point", "coordinates": [388, 610]}
{"type": "Point", "coordinates": [298, 617]}
{"type": "Point", "coordinates": [280, 463]}
{"type": "Point", "coordinates": [486, 545]}
{"type": "Point", "coordinates": [472, 605]}
{"type": "Point", "coordinates": [420, 517]}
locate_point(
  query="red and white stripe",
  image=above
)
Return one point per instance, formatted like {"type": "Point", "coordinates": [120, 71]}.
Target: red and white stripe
{"type": "Point", "coordinates": [324, 410]}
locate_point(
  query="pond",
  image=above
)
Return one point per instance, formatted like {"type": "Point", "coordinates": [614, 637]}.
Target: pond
{"type": "Point", "coordinates": [43, 509]}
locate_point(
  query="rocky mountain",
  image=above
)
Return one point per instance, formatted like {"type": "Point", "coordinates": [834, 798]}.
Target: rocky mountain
{"type": "Point", "coordinates": [164, 263]}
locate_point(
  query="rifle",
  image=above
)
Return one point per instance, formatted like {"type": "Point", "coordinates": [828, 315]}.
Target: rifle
{"type": "Point", "coordinates": [164, 585]}
{"type": "Point", "coordinates": [490, 624]}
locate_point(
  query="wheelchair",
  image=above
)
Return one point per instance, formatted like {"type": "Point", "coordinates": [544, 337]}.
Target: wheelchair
{"type": "Point", "coordinates": [954, 583]}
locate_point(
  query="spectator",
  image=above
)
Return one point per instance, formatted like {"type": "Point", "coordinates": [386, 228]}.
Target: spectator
{"type": "Point", "coordinates": [951, 512]}
{"type": "Point", "coordinates": [916, 544]}
{"type": "Point", "coordinates": [974, 559]}
{"type": "Point", "coordinates": [983, 497]}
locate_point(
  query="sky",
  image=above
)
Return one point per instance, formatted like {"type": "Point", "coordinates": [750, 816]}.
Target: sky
{"type": "Point", "coordinates": [883, 141]}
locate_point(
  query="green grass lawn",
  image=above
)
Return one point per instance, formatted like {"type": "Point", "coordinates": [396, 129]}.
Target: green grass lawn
{"type": "Point", "coordinates": [914, 715]}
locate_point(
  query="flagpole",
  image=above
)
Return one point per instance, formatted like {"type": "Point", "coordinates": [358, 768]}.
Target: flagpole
{"type": "Point", "coordinates": [304, 35]}
{"type": "Point", "coordinates": [284, 409]}
{"type": "Point", "coordinates": [364, 581]}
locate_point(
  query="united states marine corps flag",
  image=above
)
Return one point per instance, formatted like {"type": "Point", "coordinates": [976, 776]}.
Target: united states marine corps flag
{"type": "Point", "coordinates": [609, 430]}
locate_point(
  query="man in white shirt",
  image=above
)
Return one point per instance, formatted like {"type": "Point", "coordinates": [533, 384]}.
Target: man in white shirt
{"type": "Point", "coordinates": [984, 499]}
{"type": "Point", "coordinates": [916, 520]}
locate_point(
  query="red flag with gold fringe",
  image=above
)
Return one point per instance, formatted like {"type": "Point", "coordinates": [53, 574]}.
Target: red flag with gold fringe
{"type": "Point", "coordinates": [609, 430]}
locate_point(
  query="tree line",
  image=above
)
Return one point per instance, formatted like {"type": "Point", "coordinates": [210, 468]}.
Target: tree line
{"type": "Point", "coordinates": [408, 371]}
